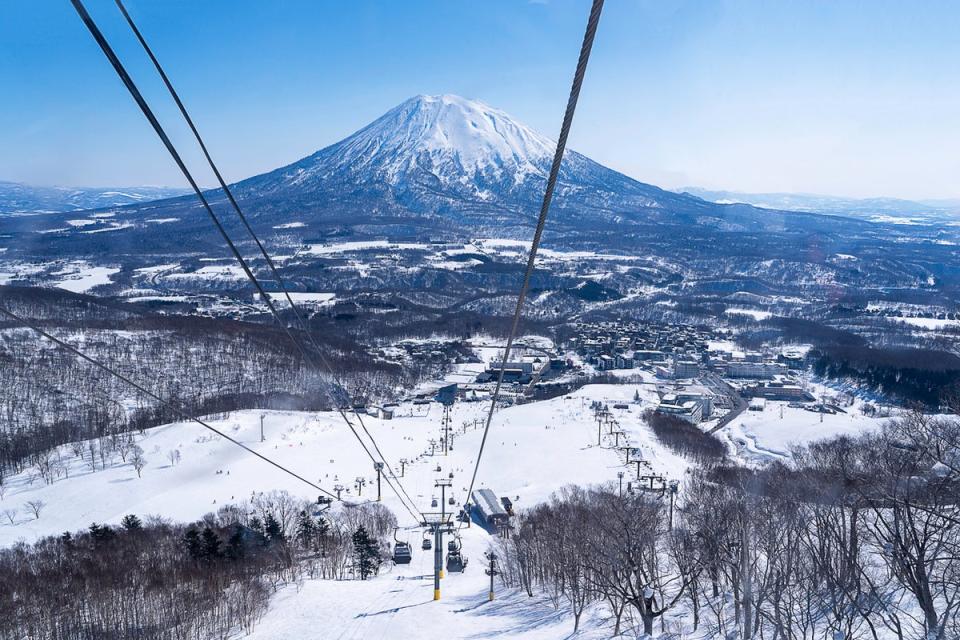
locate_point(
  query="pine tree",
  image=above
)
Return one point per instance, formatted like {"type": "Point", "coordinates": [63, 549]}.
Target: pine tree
{"type": "Point", "coordinates": [366, 554]}
{"type": "Point", "coordinates": [306, 531]}
{"type": "Point", "coordinates": [323, 535]}
{"type": "Point", "coordinates": [67, 540]}
{"type": "Point", "coordinates": [272, 528]}
{"type": "Point", "coordinates": [102, 534]}
{"type": "Point", "coordinates": [235, 545]}
{"type": "Point", "coordinates": [210, 544]}
{"type": "Point", "coordinates": [191, 540]}
{"type": "Point", "coordinates": [131, 523]}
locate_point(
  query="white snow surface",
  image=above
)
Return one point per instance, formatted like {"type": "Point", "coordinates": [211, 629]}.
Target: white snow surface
{"type": "Point", "coordinates": [455, 139]}
{"type": "Point", "coordinates": [81, 277]}
{"type": "Point", "coordinates": [447, 129]}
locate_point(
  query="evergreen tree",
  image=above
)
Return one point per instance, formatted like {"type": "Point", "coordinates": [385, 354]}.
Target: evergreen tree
{"type": "Point", "coordinates": [323, 535]}
{"type": "Point", "coordinates": [234, 549]}
{"type": "Point", "coordinates": [306, 531]}
{"type": "Point", "coordinates": [131, 523]}
{"type": "Point", "coordinates": [102, 534]}
{"type": "Point", "coordinates": [210, 544]}
{"type": "Point", "coordinates": [191, 540]}
{"type": "Point", "coordinates": [67, 540]}
{"type": "Point", "coordinates": [272, 529]}
{"type": "Point", "coordinates": [366, 554]}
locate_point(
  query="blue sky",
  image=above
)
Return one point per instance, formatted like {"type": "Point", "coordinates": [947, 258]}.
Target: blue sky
{"type": "Point", "coordinates": [846, 98]}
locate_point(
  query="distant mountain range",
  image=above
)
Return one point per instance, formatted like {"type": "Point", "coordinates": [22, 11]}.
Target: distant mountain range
{"type": "Point", "coordinates": [18, 198]}
{"type": "Point", "coordinates": [875, 209]}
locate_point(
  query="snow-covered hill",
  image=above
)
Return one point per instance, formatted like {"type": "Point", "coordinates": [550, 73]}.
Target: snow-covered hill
{"type": "Point", "coordinates": [18, 198]}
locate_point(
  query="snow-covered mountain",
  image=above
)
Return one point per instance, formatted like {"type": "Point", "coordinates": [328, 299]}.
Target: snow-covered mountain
{"type": "Point", "coordinates": [448, 136]}
{"type": "Point", "coordinates": [437, 167]}
{"type": "Point", "coordinates": [19, 198]}
{"type": "Point", "coordinates": [447, 155]}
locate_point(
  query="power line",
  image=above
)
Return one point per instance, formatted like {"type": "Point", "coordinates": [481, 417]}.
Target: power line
{"type": "Point", "coordinates": [183, 413]}
{"type": "Point", "coordinates": [578, 75]}
{"type": "Point", "coordinates": [158, 128]}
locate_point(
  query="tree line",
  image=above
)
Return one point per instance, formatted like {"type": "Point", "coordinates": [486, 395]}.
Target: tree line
{"type": "Point", "coordinates": [153, 579]}
{"type": "Point", "coordinates": [855, 538]}
{"type": "Point", "coordinates": [49, 398]}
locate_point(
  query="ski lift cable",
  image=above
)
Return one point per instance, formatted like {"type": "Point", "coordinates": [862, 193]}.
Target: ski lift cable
{"type": "Point", "coordinates": [216, 171]}
{"type": "Point", "coordinates": [578, 76]}
{"type": "Point", "coordinates": [301, 323]}
{"type": "Point", "coordinates": [171, 149]}
{"type": "Point", "coordinates": [182, 412]}
{"type": "Point", "coordinates": [158, 128]}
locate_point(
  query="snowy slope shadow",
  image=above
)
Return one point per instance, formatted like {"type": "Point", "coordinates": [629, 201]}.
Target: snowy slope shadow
{"type": "Point", "coordinates": [517, 609]}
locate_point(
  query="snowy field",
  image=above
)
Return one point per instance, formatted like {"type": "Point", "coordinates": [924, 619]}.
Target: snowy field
{"type": "Point", "coordinates": [761, 436]}
{"type": "Point", "coordinates": [527, 444]}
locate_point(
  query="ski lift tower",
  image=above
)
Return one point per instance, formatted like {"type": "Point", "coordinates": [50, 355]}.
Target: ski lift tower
{"type": "Point", "coordinates": [378, 467]}
{"type": "Point", "coordinates": [437, 524]}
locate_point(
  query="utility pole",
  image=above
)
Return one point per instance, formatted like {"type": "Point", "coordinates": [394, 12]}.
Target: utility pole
{"type": "Point", "coordinates": [403, 467]}
{"type": "Point", "coordinates": [599, 425]}
{"type": "Point", "coordinates": [627, 449]}
{"type": "Point", "coordinates": [261, 428]}
{"type": "Point", "coordinates": [617, 434]}
{"type": "Point", "coordinates": [339, 489]}
{"type": "Point", "coordinates": [433, 446]}
{"type": "Point", "coordinates": [378, 467]}
{"type": "Point", "coordinates": [492, 571]}
{"type": "Point", "coordinates": [620, 478]}
{"type": "Point", "coordinates": [360, 483]}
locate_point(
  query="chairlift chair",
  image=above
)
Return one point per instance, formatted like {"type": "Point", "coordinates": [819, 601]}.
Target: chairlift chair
{"type": "Point", "coordinates": [456, 563]}
{"type": "Point", "coordinates": [402, 554]}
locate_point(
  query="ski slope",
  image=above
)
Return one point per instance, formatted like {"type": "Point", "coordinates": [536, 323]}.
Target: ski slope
{"type": "Point", "coordinates": [533, 450]}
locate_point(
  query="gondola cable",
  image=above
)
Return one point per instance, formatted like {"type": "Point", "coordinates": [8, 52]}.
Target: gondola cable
{"type": "Point", "coordinates": [158, 128]}
{"type": "Point", "coordinates": [302, 325]}
{"type": "Point", "coordinates": [179, 410]}
{"type": "Point", "coordinates": [578, 76]}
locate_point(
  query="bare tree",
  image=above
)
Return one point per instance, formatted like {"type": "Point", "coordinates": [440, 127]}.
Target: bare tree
{"type": "Point", "coordinates": [137, 460]}
{"type": "Point", "coordinates": [36, 506]}
{"type": "Point", "coordinates": [10, 515]}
